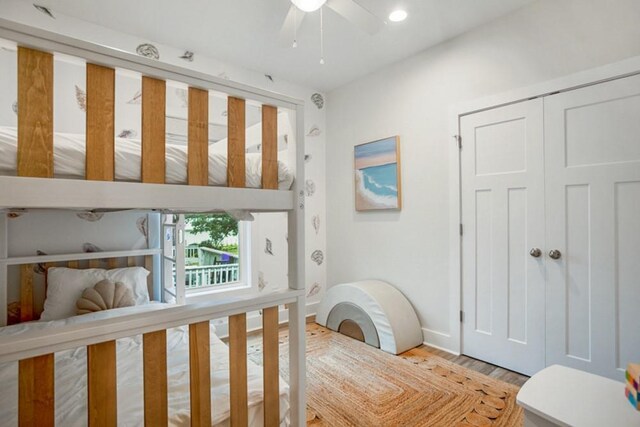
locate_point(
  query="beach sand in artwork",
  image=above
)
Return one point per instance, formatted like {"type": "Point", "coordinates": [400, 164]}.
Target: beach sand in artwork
{"type": "Point", "coordinates": [377, 160]}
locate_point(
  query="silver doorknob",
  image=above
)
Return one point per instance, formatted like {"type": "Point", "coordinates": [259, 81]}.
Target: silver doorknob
{"type": "Point", "coordinates": [535, 252]}
{"type": "Point", "coordinates": [555, 254]}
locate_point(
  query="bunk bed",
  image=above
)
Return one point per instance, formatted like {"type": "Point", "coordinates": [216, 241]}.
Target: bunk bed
{"type": "Point", "coordinates": [40, 352]}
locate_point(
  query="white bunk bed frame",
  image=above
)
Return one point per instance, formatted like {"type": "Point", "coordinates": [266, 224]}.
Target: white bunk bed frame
{"type": "Point", "coordinates": [53, 193]}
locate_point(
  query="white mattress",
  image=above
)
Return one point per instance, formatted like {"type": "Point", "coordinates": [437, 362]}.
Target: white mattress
{"type": "Point", "coordinates": [69, 160]}
{"type": "Point", "coordinates": [71, 378]}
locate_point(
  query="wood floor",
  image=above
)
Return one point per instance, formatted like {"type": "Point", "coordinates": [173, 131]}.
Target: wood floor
{"type": "Point", "coordinates": [485, 368]}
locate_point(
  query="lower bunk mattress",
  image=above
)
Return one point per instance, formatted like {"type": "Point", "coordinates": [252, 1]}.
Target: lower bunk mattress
{"type": "Point", "coordinates": [69, 158]}
{"type": "Point", "coordinates": [71, 379]}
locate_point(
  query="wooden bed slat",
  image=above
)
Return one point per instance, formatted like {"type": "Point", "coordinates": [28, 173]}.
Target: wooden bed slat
{"type": "Point", "coordinates": [94, 263]}
{"type": "Point", "coordinates": [269, 147]}
{"type": "Point", "coordinates": [154, 94]}
{"type": "Point", "coordinates": [101, 384]}
{"type": "Point", "coordinates": [36, 405]}
{"type": "Point", "coordinates": [26, 292]}
{"type": "Point", "coordinates": [155, 378]}
{"type": "Point", "coordinates": [238, 369]}
{"type": "Point", "coordinates": [73, 264]}
{"type": "Point", "coordinates": [35, 113]}
{"type": "Point", "coordinates": [112, 262]}
{"type": "Point", "coordinates": [100, 165]}
{"type": "Point", "coordinates": [236, 169]}
{"type": "Point", "coordinates": [271, 373]}
{"type": "Point", "coordinates": [200, 374]}
{"type": "Point", "coordinates": [198, 149]}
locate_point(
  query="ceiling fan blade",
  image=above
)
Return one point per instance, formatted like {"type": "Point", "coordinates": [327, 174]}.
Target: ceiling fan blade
{"type": "Point", "coordinates": [290, 26]}
{"type": "Point", "coordinates": [357, 15]}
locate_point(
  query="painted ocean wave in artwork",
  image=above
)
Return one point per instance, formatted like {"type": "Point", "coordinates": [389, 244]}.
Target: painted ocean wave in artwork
{"type": "Point", "coordinates": [377, 175]}
{"type": "Point", "coordinates": [376, 199]}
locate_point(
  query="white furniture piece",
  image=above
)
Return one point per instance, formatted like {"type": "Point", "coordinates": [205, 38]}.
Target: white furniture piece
{"type": "Point", "coordinates": [37, 187]}
{"type": "Point", "coordinates": [562, 396]}
{"type": "Point", "coordinates": [550, 189]}
{"type": "Point", "coordinates": [385, 316]}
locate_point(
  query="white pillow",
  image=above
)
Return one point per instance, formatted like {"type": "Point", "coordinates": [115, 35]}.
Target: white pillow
{"type": "Point", "coordinates": [65, 286]}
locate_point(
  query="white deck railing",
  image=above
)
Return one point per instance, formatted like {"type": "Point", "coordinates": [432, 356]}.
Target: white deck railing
{"type": "Point", "coordinates": [210, 275]}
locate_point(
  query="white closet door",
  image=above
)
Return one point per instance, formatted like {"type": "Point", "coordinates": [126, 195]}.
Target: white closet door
{"type": "Point", "coordinates": [503, 217]}
{"type": "Point", "coordinates": [592, 151]}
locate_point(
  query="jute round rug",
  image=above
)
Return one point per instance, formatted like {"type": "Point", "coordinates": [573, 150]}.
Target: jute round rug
{"type": "Point", "coordinates": [352, 384]}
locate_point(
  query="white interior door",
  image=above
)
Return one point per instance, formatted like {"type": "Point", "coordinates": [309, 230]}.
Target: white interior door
{"type": "Point", "coordinates": [503, 217]}
{"type": "Point", "coordinates": [592, 143]}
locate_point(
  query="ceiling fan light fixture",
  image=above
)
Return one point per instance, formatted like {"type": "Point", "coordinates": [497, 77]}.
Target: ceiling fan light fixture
{"type": "Point", "coordinates": [308, 5]}
{"type": "Point", "coordinates": [398, 15]}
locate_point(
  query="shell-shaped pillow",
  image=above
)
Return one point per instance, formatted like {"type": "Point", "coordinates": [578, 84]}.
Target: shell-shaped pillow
{"type": "Point", "coordinates": [104, 296]}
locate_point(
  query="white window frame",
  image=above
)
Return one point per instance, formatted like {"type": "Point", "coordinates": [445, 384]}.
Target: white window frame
{"type": "Point", "coordinates": [245, 284]}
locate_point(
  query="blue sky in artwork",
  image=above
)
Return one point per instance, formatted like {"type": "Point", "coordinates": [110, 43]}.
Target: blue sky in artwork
{"type": "Point", "coordinates": [384, 146]}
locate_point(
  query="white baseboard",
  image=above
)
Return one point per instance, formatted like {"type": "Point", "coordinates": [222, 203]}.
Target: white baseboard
{"type": "Point", "coordinates": [254, 320]}
{"type": "Point", "coordinates": [439, 340]}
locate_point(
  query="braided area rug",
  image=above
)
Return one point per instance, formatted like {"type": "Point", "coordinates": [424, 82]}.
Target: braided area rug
{"type": "Point", "coordinates": [352, 384]}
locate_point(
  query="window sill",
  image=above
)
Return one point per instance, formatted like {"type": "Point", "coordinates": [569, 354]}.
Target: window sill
{"type": "Point", "coordinates": [231, 290]}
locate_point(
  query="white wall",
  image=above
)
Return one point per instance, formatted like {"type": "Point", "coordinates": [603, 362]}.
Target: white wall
{"type": "Point", "coordinates": [275, 228]}
{"type": "Point", "coordinates": [413, 99]}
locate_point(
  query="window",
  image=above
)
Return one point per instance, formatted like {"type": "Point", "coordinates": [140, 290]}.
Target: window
{"type": "Point", "coordinates": [216, 256]}
{"type": "Point", "coordinates": [212, 254]}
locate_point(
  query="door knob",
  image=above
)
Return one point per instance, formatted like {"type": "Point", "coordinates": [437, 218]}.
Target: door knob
{"type": "Point", "coordinates": [535, 252]}
{"type": "Point", "coordinates": [555, 254]}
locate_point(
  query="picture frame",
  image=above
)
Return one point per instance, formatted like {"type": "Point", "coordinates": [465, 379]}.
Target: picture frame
{"type": "Point", "coordinates": [378, 184]}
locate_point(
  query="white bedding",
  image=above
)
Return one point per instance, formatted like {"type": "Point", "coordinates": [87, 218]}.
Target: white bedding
{"type": "Point", "coordinates": [70, 378]}
{"type": "Point", "coordinates": [69, 160]}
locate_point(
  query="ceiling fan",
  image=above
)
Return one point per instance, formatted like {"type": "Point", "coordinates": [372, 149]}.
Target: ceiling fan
{"type": "Point", "coordinates": [348, 9]}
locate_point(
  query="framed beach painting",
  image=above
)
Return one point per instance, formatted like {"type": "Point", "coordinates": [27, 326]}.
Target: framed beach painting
{"type": "Point", "coordinates": [377, 175]}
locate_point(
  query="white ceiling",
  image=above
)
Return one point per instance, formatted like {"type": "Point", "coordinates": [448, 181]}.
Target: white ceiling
{"type": "Point", "coordinates": [245, 32]}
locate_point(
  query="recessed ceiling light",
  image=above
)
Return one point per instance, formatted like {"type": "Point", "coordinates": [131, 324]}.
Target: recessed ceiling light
{"type": "Point", "coordinates": [398, 15]}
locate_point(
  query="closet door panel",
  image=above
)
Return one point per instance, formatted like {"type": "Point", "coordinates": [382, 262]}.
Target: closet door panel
{"type": "Point", "coordinates": [503, 219]}
{"type": "Point", "coordinates": [592, 163]}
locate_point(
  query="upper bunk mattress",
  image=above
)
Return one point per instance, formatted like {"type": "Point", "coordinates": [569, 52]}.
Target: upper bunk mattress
{"type": "Point", "coordinates": [69, 160]}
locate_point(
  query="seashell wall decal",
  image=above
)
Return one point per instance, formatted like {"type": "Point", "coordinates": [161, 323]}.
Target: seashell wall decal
{"type": "Point", "coordinates": [148, 51]}
{"type": "Point", "coordinates": [44, 10]}
{"type": "Point", "coordinates": [268, 247]}
{"type": "Point", "coordinates": [318, 100]}
{"type": "Point", "coordinates": [143, 228]}
{"type": "Point", "coordinates": [40, 268]}
{"type": "Point", "coordinates": [187, 56]}
{"type": "Point", "coordinates": [269, 77]}
{"type": "Point", "coordinates": [314, 131]}
{"type": "Point", "coordinates": [307, 158]}
{"type": "Point", "coordinates": [315, 221]}
{"type": "Point", "coordinates": [90, 216]}
{"type": "Point", "coordinates": [314, 290]}
{"type": "Point", "coordinates": [127, 133]}
{"type": "Point", "coordinates": [310, 187]}
{"type": "Point", "coordinates": [136, 99]}
{"type": "Point", "coordinates": [317, 256]}
{"type": "Point", "coordinates": [90, 248]}
{"type": "Point", "coordinates": [261, 282]}
{"type": "Point", "coordinates": [14, 106]}
{"type": "Point", "coordinates": [81, 98]}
